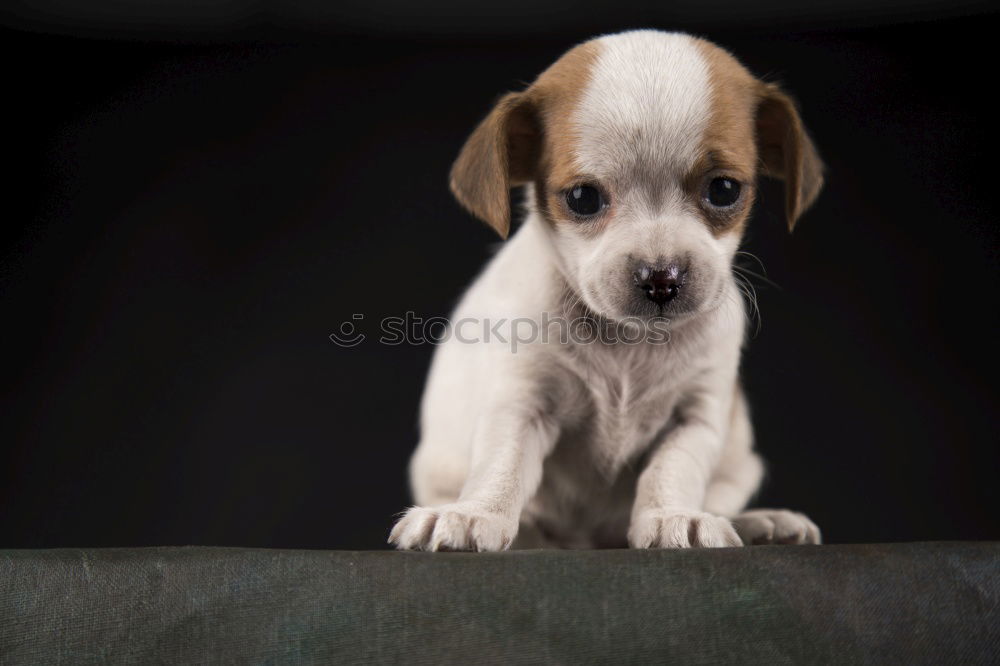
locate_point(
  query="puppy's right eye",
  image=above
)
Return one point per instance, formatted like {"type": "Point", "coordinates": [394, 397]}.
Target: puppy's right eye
{"type": "Point", "coordinates": [723, 192]}
{"type": "Point", "coordinates": [585, 200]}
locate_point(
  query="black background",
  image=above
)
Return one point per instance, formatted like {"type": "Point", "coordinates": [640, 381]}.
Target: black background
{"type": "Point", "coordinates": [196, 200]}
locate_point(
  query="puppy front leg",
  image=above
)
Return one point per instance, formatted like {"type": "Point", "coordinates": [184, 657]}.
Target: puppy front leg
{"type": "Point", "coordinates": [671, 489]}
{"type": "Point", "coordinates": [508, 453]}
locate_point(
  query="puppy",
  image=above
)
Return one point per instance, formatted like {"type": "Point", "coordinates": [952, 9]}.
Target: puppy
{"type": "Point", "coordinates": [639, 154]}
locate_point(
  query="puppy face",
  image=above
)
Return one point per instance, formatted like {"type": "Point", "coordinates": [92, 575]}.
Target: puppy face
{"type": "Point", "coordinates": [643, 150]}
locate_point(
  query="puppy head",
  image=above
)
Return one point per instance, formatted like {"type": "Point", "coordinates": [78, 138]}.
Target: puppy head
{"type": "Point", "coordinates": [642, 149]}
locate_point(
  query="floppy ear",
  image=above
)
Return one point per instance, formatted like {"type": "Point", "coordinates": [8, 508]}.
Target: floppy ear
{"type": "Point", "coordinates": [501, 153]}
{"type": "Point", "coordinates": [787, 152]}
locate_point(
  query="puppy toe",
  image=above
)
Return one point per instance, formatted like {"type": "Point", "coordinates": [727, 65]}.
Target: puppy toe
{"type": "Point", "coordinates": [644, 532]}
{"type": "Point", "coordinates": [413, 531]}
{"type": "Point", "coordinates": [789, 528]}
{"type": "Point", "coordinates": [710, 531]}
{"type": "Point", "coordinates": [776, 526]}
{"type": "Point", "coordinates": [491, 534]}
{"type": "Point", "coordinates": [754, 529]}
{"type": "Point", "coordinates": [451, 532]}
{"type": "Point", "coordinates": [815, 536]}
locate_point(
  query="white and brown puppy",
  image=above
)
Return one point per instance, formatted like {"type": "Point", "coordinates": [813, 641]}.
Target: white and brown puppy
{"type": "Point", "coordinates": [640, 152]}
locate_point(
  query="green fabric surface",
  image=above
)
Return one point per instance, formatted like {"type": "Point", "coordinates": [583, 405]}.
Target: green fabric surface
{"type": "Point", "coordinates": [932, 603]}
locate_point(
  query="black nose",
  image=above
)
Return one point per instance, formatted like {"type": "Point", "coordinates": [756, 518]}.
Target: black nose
{"type": "Point", "coordinates": [661, 285]}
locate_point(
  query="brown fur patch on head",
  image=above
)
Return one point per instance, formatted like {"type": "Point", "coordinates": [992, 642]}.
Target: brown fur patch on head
{"type": "Point", "coordinates": [528, 136]}
{"type": "Point", "coordinates": [756, 127]}
{"type": "Point", "coordinates": [729, 144]}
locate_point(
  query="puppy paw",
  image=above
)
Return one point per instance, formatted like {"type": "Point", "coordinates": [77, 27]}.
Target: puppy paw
{"type": "Point", "coordinates": [767, 526]}
{"type": "Point", "coordinates": [688, 529]}
{"type": "Point", "coordinates": [458, 526]}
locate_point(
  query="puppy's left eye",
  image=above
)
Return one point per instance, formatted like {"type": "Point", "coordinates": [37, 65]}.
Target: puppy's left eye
{"type": "Point", "coordinates": [585, 200]}
{"type": "Point", "coordinates": [723, 192]}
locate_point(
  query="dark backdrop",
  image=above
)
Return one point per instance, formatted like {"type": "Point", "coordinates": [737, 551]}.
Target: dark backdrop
{"type": "Point", "coordinates": [195, 201]}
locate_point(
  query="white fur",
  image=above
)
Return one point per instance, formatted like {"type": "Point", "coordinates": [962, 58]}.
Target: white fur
{"type": "Point", "coordinates": [649, 91]}
{"type": "Point", "coordinates": [582, 445]}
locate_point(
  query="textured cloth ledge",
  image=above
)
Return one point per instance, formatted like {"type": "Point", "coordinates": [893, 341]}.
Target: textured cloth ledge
{"type": "Point", "coordinates": [928, 603]}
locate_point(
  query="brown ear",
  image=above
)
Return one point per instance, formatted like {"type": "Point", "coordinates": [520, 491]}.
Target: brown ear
{"type": "Point", "coordinates": [501, 153]}
{"type": "Point", "coordinates": [787, 152]}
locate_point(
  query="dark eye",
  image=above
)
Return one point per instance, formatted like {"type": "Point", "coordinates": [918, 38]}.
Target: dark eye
{"type": "Point", "coordinates": [584, 200]}
{"type": "Point", "coordinates": [723, 192]}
